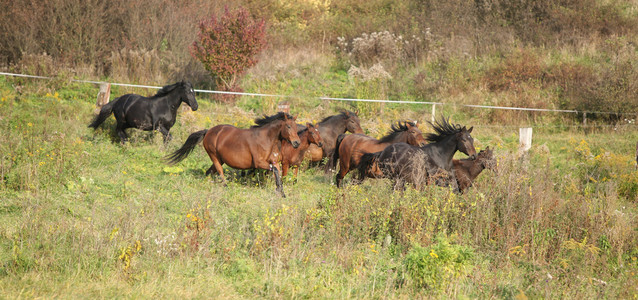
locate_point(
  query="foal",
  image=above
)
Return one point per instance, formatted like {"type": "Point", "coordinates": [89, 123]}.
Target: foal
{"type": "Point", "coordinates": [466, 170]}
{"type": "Point", "coordinates": [292, 157]}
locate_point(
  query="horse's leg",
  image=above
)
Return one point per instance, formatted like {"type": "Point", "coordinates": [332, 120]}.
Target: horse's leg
{"type": "Point", "coordinates": [211, 170]}
{"type": "Point", "coordinates": [278, 182]}
{"type": "Point", "coordinates": [166, 133]}
{"type": "Point", "coordinates": [218, 167]}
{"type": "Point", "coordinates": [284, 169]}
{"type": "Point", "coordinates": [296, 171]}
{"type": "Point", "coordinates": [121, 133]}
{"type": "Point", "coordinates": [343, 171]}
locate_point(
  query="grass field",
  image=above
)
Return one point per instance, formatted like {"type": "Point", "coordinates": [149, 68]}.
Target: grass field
{"type": "Point", "coordinates": [82, 216]}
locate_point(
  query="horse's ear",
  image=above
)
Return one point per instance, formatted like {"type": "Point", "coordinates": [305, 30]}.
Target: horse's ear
{"type": "Point", "coordinates": [416, 123]}
{"type": "Point", "coordinates": [347, 113]}
{"type": "Point", "coordinates": [309, 125]}
{"type": "Point", "coordinates": [470, 130]}
{"type": "Point", "coordinates": [408, 124]}
{"type": "Point", "coordinates": [294, 118]}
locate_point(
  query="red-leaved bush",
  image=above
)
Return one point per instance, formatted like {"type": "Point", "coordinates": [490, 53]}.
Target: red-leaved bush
{"type": "Point", "coordinates": [227, 46]}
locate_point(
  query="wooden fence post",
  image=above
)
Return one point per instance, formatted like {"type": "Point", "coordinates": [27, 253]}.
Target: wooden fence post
{"type": "Point", "coordinates": [103, 96]}
{"type": "Point", "coordinates": [284, 106]}
{"type": "Point", "coordinates": [525, 138]}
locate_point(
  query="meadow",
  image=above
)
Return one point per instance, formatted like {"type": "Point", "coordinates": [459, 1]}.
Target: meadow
{"type": "Point", "coordinates": [83, 216]}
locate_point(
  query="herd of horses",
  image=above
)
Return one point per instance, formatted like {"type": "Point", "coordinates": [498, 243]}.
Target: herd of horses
{"type": "Point", "coordinates": [277, 143]}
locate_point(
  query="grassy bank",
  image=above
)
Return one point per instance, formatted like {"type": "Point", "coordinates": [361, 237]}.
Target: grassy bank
{"type": "Point", "coordinates": [83, 216]}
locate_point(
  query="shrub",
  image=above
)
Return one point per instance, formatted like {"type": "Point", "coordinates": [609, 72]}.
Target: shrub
{"type": "Point", "coordinates": [228, 45]}
{"type": "Point", "coordinates": [435, 266]}
{"type": "Point", "coordinates": [519, 68]}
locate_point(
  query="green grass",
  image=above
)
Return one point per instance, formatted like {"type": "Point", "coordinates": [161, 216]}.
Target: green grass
{"type": "Point", "coordinates": [82, 216]}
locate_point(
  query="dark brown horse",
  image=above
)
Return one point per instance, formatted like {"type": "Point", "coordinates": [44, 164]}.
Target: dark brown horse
{"type": "Point", "coordinates": [291, 156]}
{"type": "Point", "coordinates": [421, 165]}
{"type": "Point", "coordinates": [351, 147]}
{"type": "Point", "coordinates": [329, 129]}
{"type": "Point", "coordinates": [466, 170]}
{"type": "Point", "coordinates": [253, 148]}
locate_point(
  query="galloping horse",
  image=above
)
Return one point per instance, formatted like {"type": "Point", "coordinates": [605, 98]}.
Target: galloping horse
{"type": "Point", "coordinates": [292, 157]}
{"type": "Point", "coordinates": [253, 148]}
{"type": "Point", "coordinates": [466, 170]}
{"type": "Point", "coordinates": [329, 129]}
{"type": "Point", "coordinates": [417, 165]}
{"type": "Point", "coordinates": [148, 113]}
{"type": "Point", "coordinates": [351, 147]}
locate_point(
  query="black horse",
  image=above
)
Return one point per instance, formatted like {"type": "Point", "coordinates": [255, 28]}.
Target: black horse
{"type": "Point", "coordinates": [148, 113]}
{"type": "Point", "coordinates": [419, 165]}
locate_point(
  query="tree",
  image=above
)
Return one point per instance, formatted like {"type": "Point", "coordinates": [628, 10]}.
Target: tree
{"type": "Point", "coordinates": [228, 45]}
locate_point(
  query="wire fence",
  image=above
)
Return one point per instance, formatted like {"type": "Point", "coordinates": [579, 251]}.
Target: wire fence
{"type": "Point", "coordinates": [326, 98]}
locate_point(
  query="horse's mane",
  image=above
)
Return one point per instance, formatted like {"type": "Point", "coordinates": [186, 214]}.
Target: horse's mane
{"type": "Point", "coordinates": [269, 119]}
{"type": "Point", "coordinates": [343, 114]}
{"type": "Point", "coordinates": [165, 90]}
{"type": "Point", "coordinates": [395, 130]}
{"type": "Point", "coordinates": [442, 129]}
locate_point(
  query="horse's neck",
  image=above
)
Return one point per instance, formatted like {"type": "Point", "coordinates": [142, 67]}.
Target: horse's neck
{"type": "Point", "coordinates": [448, 147]}
{"type": "Point", "coordinates": [172, 99]}
{"type": "Point", "coordinates": [335, 127]}
{"type": "Point", "coordinates": [473, 167]}
{"type": "Point", "coordinates": [476, 169]}
{"type": "Point", "coordinates": [304, 138]}
{"type": "Point", "coordinates": [272, 133]}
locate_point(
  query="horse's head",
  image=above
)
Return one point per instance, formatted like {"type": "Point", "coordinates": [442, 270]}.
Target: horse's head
{"type": "Point", "coordinates": [188, 95]}
{"type": "Point", "coordinates": [465, 142]}
{"type": "Point", "coordinates": [415, 136]}
{"type": "Point", "coordinates": [487, 160]}
{"type": "Point", "coordinates": [313, 135]}
{"type": "Point", "coordinates": [289, 131]}
{"type": "Point", "coordinates": [352, 122]}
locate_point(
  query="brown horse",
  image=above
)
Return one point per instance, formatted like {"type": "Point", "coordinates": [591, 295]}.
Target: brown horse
{"type": "Point", "coordinates": [351, 147]}
{"type": "Point", "coordinates": [253, 148]}
{"type": "Point", "coordinates": [329, 129]}
{"type": "Point", "coordinates": [466, 170]}
{"type": "Point", "coordinates": [291, 156]}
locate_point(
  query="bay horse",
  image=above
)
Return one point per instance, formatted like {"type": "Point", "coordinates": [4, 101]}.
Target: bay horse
{"type": "Point", "coordinates": [329, 129]}
{"type": "Point", "coordinates": [253, 148]}
{"type": "Point", "coordinates": [292, 157]}
{"type": "Point", "coordinates": [148, 113]}
{"type": "Point", "coordinates": [420, 165]}
{"type": "Point", "coordinates": [351, 147]}
{"type": "Point", "coordinates": [466, 170]}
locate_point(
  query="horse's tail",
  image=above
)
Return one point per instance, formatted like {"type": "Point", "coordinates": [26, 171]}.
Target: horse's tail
{"type": "Point", "coordinates": [187, 148]}
{"type": "Point", "coordinates": [105, 112]}
{"type": "Point", "coordinates": [332, 162]}
{"type": "Point", "coordinates": [368, 165]}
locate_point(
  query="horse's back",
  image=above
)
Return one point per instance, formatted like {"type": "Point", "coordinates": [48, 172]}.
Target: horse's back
{"type": "Point", "coordinates": [229, 144]}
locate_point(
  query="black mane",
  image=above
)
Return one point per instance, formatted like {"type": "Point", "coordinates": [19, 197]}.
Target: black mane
{"type": "Point", "coordinates": [167, 89]}
{"type": "Point", "coordinates": [395, 130]}
{"type": "Point", "coordinates": [269, 119]}
{"type": "Point", "coordinates": [443, 129]}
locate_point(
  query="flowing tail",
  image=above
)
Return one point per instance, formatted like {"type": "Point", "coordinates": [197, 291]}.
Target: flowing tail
{"type": "Point", "coordinates": [187, 148]}
{"type": "Point", "coordinates": [105, 112]}
{"type": "Point", "coordinates": [369, 166]}
{"type": "Point", "coordinates": [332, 162]}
